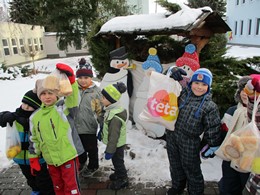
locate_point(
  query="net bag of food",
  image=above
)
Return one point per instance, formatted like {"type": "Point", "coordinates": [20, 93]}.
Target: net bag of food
{"type": "Point", "coordinates": [58, 81]}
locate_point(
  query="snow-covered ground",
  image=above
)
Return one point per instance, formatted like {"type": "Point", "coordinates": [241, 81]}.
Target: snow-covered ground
{"type": "Point", "coordinates": [150, 162]}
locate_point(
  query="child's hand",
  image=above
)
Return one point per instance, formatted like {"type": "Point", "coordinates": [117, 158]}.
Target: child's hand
{"type": "Point", "coordinates": [208, 152]}
{"type": "Point", "coordinates": [108, 156]}
{"type": "Point", "coordinates": [7, 117]}
{"type": "Point", "coordinates": [176, 74]}
{"type": "Point", "coordinates": [67, 70]}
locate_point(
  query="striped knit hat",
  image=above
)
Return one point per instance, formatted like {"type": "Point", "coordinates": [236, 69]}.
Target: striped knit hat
{"type": "Point", "coordinates": [31, 99]}
{"type": "Point", "coordinates": [113, 92]}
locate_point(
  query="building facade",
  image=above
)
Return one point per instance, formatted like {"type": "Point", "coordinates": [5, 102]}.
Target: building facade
{"type": "Point", "coordinates": [243, 17]}
{"type": "Point", "coordinates": [20, 43]}
{"type": "Point", "coordinates": [140, 6]}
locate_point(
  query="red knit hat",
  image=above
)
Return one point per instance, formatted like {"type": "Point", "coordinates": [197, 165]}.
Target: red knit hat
{"type": "Point", "coordinates": [84, 72]}
{"type": "Point", "coordinates": [189, 58]}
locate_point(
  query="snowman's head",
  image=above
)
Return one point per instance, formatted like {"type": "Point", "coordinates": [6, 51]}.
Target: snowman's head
{"type": "Point", "coordinates": [119, 63]}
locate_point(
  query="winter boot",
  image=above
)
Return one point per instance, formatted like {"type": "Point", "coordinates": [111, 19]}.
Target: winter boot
{"type": "Point", "coordinates": [113, 177]}
{"type": "Point", "coordinates": [119, 184]}
{"type": "Point", "coordinates": [35, 193]}
{"type": "Point", "coordinates": [179, 190]}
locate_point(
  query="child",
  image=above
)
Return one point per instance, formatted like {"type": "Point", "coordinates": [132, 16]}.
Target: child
{"type": "Point", "coordinates": [253, 85]}
{"type": "Point", "coordinates": [114, 133]}
{"type": "Point", "coordinates": [232, 181]}
{"type": "Point", "coordinates": [54, 135]}
{"type": "Point", "coordinates": [40, 180]}
{"type": "Point", "coordinates": [197, 114]}
{"type": "Point", "coordinates": [87, 119]}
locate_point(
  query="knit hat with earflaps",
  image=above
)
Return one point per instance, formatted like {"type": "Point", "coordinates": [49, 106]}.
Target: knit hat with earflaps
{"type": "Point", "coordinates": [240, 86]}
{"type": "Point", "coordinates": [113, 92]}
{"type": "Point", "coordinates": [201, 75]}
{"type": "Point", "coordinates": [31, 99]}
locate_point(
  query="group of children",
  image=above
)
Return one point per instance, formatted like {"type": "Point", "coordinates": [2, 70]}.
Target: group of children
{"type": "Point", "coordinates": [62, 133]}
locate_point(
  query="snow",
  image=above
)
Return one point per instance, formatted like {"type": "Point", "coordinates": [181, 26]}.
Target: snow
{"type": "Point", "coordinates": [150, 162]}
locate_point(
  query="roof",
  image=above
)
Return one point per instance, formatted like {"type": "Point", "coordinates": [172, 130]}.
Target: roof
{"type": "Point", "coordinates": [180, 22]}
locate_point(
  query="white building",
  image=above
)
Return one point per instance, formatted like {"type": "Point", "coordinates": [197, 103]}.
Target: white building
{"type": "Point", "coordinates": [141, 6]}
{"type": "Point", "coordinates": [243, 17]}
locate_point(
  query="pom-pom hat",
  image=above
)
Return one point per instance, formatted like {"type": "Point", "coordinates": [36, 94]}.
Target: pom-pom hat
{"type": "Point", "coordinates": [189, 58]}
{"type": "Point", "coordinates": [153, 61]}
{"type": "Point", "coordinates": [31, 99]}
{"type": "Point", "coordinates": [240, 86]}
{"type": "Point", "coordinates": [113, 92]}
{"type": "Point", "coordinates": [85, 70]}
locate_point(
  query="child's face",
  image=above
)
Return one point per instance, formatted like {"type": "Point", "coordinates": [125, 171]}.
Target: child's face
{"type": "Point", "coordinates": [48, 98]}
{"type": "Point", "coordinates": [244, 97]}
{"type": "Point", "coordinates": [26, 107]}
{"type": "Point", "coordinates": [105, 102]}
{"type": "Point", "coordinates": [84, 81]}
{"type": "Point", "coordinates": [199, 88]}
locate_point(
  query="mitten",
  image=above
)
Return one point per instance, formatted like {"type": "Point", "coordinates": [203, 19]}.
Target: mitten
{"type": "Point", "coordinates": [256, 84]}
{"type": "Point", "coordinates": [208, 152]}
{"type": "Point", "coordinates": [67, 70]}
{"type": "Point", "coordinates": [108, 156]}
{"type": "Point", "coordinates": [176, 74]}
{"type": "Point", "coordinates": [7, 117]}
{"type": "Point", "coordinates": [35, 165]}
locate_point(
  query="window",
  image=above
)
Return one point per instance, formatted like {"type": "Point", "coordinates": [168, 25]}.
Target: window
{"type": "Point", "coordinates": [35, 41]}
{"type": "Point", "coordinates": [14, 46]}
{"type": "Point", "coordinates": [249, 26]}
{"type": "Point", "coordinates": [237, 2]}
{"type": "Point", "coordinates": [30, 45]}
{"type": "Point", "coordinates": [21, 42]}
{"type": "Point", "coordinates": [41, 45]}
{"type": "Point", "coordinates": [241, 27]}
{"type": "Point", "coordinates": [6, 47]}
{"type": "Point", "coordinates": [244, 1]}
{"type": "Point", "coordinates": [236, 28]}
{"type": "Point", "coordinates": [257, 26]}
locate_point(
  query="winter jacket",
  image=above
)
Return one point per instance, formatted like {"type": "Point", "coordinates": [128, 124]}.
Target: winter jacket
{"type": "Point", "coordinates": [114, 129]}
{"type": "Point", "coordinates": [90, 110]}
{"type": "Point", "coordinates": [53, 131]}
{"type": "Point", "coordinates": [207, 122]}
{"type": "Point", "coordinates": [21, 124]}
{"type": "Point", "coordinates": [253, 182]}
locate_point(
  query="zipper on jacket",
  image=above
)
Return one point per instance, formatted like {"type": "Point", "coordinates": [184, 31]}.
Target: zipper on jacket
{"type": "Point", "coordinates": [38, 127]}
{"type": "Point", "coordinates": [53, 128]}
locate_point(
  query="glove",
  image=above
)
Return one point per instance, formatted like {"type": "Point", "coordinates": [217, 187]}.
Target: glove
{"type": "Point", "coordinates": [7, 117]}
{"type": "Point", "coordinates": [176, 74]}
{"type": "Point", "coordinates": [66, 69]}
{"type": "Point", "coordinates": [108, 156]}
{"type": "Point", "coordinates": [208, 152]}
{"type": "Point", "coordinates": [35, 165]}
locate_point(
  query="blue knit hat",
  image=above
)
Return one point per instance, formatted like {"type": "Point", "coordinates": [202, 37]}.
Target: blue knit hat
{"type": "Point", "coordinates": [202, 75]}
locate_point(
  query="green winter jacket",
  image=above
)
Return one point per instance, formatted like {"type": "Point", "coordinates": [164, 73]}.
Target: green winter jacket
{"type": "Point", "coordinates": [53, 131]}
{"type": "Point", "coordinates": [114, 129]}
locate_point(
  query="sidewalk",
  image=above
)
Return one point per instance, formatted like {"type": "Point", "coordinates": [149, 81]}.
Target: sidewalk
{"type": "Point", "coordinates": [12, 182]}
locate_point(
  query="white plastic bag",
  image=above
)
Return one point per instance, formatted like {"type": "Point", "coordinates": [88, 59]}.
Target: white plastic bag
{"type": "Point", "coordinates": [162, 101]}
{"type": "Point", "coordinates": [58, 81]}
{"type": "Point", "coordinates": [13, 142]}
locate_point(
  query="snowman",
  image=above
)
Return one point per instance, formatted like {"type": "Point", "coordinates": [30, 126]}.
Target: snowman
{"type": "Point", "coordinates": [151, 64]}
{"type": "Point", "coordinates": [189, 62]}
{"type": "Point", "coordinates": [118, 72]}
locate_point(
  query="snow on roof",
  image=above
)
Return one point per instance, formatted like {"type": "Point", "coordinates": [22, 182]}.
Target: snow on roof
{"type": "Point", "coordinates": [154, 22]}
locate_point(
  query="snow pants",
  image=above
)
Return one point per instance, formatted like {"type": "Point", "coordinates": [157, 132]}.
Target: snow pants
{"type": "Point", "coordinates": [184, 158]}
{"type": "Point", "coordinates": [65, 178]}
{"type": "Point", "coordinates": [232, 182]}
{"type": "Point", "coordinates": [118, 162]}
{"type": "Point", "coordinates": [41, 182]}
{"type": "Point", "coordinates": [89, 142]}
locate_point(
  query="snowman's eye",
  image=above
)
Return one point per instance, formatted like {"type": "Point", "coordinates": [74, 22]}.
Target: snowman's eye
{"type": "Point", "coordinates": [117, 62]}
{"type": "Point", "coordinates": [188, 68]}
